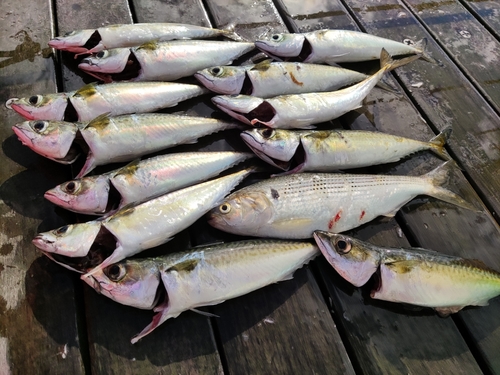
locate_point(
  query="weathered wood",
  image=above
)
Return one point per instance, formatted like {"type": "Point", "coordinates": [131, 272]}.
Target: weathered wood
{"type": "Point", "coordinates": [467, 43]}
{"type": "Point", "coordinates": [38, 313]}
{"type": "Point", "coordinates": [487, 11]}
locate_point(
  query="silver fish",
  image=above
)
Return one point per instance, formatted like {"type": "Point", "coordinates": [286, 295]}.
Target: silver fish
{"type": "Point", "coordinates": [304, 110]}
{"type": "Point", "coordinates": [330, 150]}
{"type": "Point", "coordinates": [165, 61]}
{"type": "Point", "coordinates": [414, 276]}
{"type": "Point", "coordinates": [130, 35]}
{"type": "Point", "coordinates": [138, 227]}
{"type": "Point", "coordinates": [141, 180]}
{"type": "Point", "coordinates": [336, 46]}
{"type": "Point", "coordinates": [115, 139]}
{"type": "Point", "coordinates": [115, 99]}
{"type": "Point", "coordinates": [203, 276]}
{"type": "Point", "coordinates": [269, 79]}
{"type": "Point", "coordinates": [294, 206]}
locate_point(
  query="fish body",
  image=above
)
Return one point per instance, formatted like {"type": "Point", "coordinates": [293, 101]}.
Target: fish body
{"type": "Point", "coordinates": [293, 206]}
{"type": "Point", "coordinates": [414, 276]}
{"type": "Point", "coordinates": [138, 227]}
{"type": "Point", "coordinates": [203, 276]}
{"type": "Point", "coordinates": [166, 61]}
{"type": "Point", "coordinates": [330, 150]}
{"type": "Point", "coordinates": [129, 35]}
{"type": "Point", "coordinates": [335, 46]}
{"type": "Point", "coordinates": [141, 180]}
{"type": "Point", "coordinates": [115, 139]}
{"type": "Point", "coordinates": [303, 110]}
{"type": "Point", "coordinates": [115, 99]}
{"type": "Point", "coordinates": [270, 79]}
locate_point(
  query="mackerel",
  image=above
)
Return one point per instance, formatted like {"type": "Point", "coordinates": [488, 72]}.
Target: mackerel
{"type": "Point", "coordinates": [141, 180]}
{"type": "Point", "coordinates": [202, 276]}
{"type": "Point", "coordinates": [135, 228]}
{"type": "Point", "coordinates": [293, 206]}
{"type": "Point", "coordinates": [414, 276]}
{"type": "Point", "coordinates": [114, 99]}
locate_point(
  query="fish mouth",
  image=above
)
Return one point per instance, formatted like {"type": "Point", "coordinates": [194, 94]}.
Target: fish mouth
{"type": "Point", "coordinates": [19, 109]}
{"type": "Point", "coordinates": [42, 243]}
{"type": "Point", "coordinates": [131, 71]}
{"type": "Point", "coordinates": [23, 137]}
{"type": "Point", "coordinates": [283, 165]}
{"type": "Point", "coordinates": [304, 54]}
{"type": "Point", "coordinates": [250, 114]}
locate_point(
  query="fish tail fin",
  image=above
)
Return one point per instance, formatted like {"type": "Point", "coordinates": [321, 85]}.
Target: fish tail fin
{"type": "Point", "coordinates": [421, 45]}
{"type": "Point", "coordinates": [440, 177]}
{"type": "Point", "coordinates": [229, 32]}
{"type": "Point", "coordinates": [437, 143]}
{"type": "Point", "coordinates": [388, 63]}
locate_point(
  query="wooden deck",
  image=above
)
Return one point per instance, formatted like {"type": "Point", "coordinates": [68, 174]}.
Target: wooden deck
{"type": "Point", "coordinates": [51, 323]}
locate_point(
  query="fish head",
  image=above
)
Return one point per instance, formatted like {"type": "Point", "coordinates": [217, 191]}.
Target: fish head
{"type": "Point", "coordinates": [107, 61]}
{"type": "Point", "coordinates": [282, 45]}
{"type": "Point", "coordinates": [226, 80]}
{"type": "Point", "coordinates": [242, 210]}
{"type": "Point", "coordinates": [246, 108]}
{"type": "Point", "coordinates": [275, 146]}
{"type": "Point", "coordinates": [74, 240]}
{"type": "Point", "coordinates": [354, 260]}
{"type": "Point", "coordinates": [73, 41]}
{"type": "Point", "coordinates": [40, 107]}
{"type": "Point", "coordinates": [129, 282]}
{"type": "Point", "coordinates": [51, 139]}
{"type": "Point", "coordinates": [88, 195]}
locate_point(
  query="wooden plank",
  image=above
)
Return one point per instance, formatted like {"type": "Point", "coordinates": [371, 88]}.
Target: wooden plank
{"type": "Point", "coordinates": [488, 11]}
{"type": "Point", "coordinates": [385, 340]}
{"type": "Point", "coordinates": [284, 328]}
{"type": "Point", "coordinates": [467, 42]}
{"type": "Point", "coordinates": [445, 97]}
{"type": "Point", "coordinates": [436, 225]}
{"type": "Point", "coordinates": [38, 314]}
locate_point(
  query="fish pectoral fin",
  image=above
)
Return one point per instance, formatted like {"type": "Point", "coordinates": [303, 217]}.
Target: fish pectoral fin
{"type": "Point", "coordinates": [291, 224]}
{"type": "Point", "coordinates": [443, 312]}
{"type": "Point", "coordinates": [402, 266]}
{"type": "Point", "coordinates": [205, 313]}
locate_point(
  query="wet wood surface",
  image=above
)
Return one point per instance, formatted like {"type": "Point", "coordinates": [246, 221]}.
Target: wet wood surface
{"type": "Point", "coordinates": [51, 323]}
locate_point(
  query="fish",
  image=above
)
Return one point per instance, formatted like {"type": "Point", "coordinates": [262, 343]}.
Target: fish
{"type": "Point", "coordinates": [414, 276]}
{"type": "Point", "coordinates": [303, 110]}
{"type": "Point", "coordinates": [205, 275]}
{"type": "Point", "coordinates": [336, 46]}
{"type": "Point", "coordinates": [294, 206]}
{"type": "Point", "coordinates": [141, 180]}
{"type": "Point", "coordinates": [108, 139]}
{"type": "Point", "coordinates": [331, 150]}
{"type": "Point", "coordinates": [161, 61]}
{"type": "Point", "coordinates": [135, 228]}
{"type": "Point", "coordinates": [129, 35]}
{"type": "Point", "coordinates": [93, 100]}
{"type": "Point", "coordinates": [269, 79]}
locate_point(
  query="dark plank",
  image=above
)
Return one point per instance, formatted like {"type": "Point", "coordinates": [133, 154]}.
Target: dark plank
{"type": "Point", "coordinates": [395, 347]}
{"type": "Point", "coordinates": [467, 43]}
{"type": "Point", "coordinates": [487, 11]}
{"type": "Point", "coordinates": [38, 313]}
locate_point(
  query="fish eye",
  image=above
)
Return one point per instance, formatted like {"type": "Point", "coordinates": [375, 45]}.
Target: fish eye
{"type": "Point", "coordinates": [33, 99]}
{"type": "Point", "coordinates": [39, 126]}
{"type": "Point", "coordinates": [62, 230]}
{"type": "Point", "coordinates": [71, 187]}
{"type": "Point", "coordinates": [101, 54]}
{"type": "Point", "coordinates": [69, 33]}
{"type": "Point", "coordinates": [267, 133]}
{"type": "Point", "coordinates": [115, 272]}
{"type": "Point", "coordinates": [216, 71]}
{"type": "Point", "coordinates": [343, 245]}
{"type": "Point", "coordinates": [277, 37]}
{"type": "Point", "coordinates": [225, 208]}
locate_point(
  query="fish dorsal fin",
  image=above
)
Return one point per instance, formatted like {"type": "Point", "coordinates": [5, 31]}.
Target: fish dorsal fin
{"type": "Point", "coordinates": [87, 90]}
{"type": "Point", "coordinates": [151, 45]}
{"type": "Point", "coordinates": [263, 65]}
{"type": "Point", "coordinates": [100, 122]}
{"type": "Point", "coordinates": [184, 266]}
